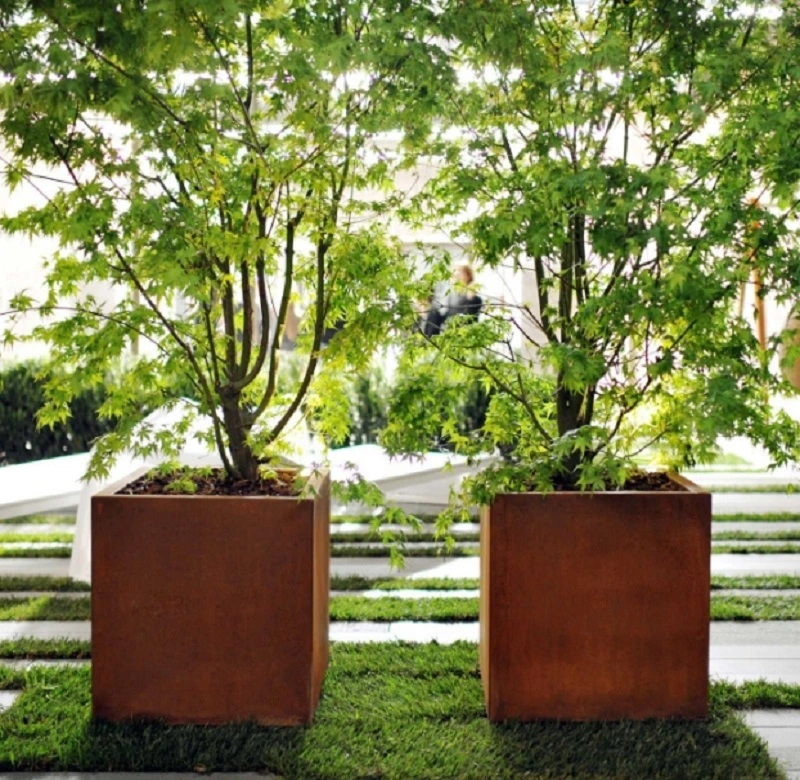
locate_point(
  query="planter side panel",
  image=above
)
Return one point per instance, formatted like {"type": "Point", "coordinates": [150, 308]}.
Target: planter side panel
{"type": "Point", "coordinates": [202, 608]}
{"type": "Point", "coordinates": [322, 587]}
{"type": "Point", "coordinates": [598, 606]}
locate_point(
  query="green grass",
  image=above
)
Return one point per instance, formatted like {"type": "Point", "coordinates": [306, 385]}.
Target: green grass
{"type": "Point", "coordinates": [53, 538]}
{"type": "Point", "coordinates": [767, 582]}
{"type": "Point", "coordinates": [35, 552]}
{"type": "Point", "coordinates": [388, 609]}
{"type": "Point", "coordinates": [755, 608]}
{"type": "Point", "coordinates": [45, 608]}
{"type": "Point", "coordinates": [356, 582]}
{"type": "Point", "coordinates": [388, 711]}
{"type": "Point", "coordinates": [774, 517]}
{"type": "Point", "coordinates": [408, 536]}
{"type": "Point", "coordinates": [40, 520]}
{"type": "Point", "coordinates": [49, 649]}
{"type": "Point", "coordinates": [756, 536]}
{"type": "Point", "coordinates": [57, 584]}
{"type": "Point", "coordinates": [434, 551]}
{"type": "Point", "coordinates": [755, 549]}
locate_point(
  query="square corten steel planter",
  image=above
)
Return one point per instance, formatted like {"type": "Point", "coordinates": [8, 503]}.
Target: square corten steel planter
{"type": "Point", "coordinates": [209, 609]}
{"type": "Point", "coordinates": [596, 606]}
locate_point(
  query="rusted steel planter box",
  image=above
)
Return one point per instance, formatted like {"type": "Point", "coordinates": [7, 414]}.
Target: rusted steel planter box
{"type": "Point", "coordinates": [209, 609]}
{"type": "Point", "coordinates": [596, 606]}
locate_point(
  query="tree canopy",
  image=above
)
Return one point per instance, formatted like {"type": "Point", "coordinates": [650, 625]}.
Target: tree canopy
{"type": "Point", "coordinates": [226, 156]}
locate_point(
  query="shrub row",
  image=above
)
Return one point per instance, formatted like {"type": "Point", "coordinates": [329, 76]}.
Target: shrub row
{"type": "Point", "coordinates": [21, 397]}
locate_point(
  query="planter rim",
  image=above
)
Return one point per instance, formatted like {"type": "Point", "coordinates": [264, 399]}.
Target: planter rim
{"type": "Point", "coordinates": [317, 479]}
{"type": "Point", "coordinates": [687, 485]}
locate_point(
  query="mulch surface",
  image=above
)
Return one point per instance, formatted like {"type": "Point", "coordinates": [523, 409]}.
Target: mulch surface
{"type": "Point", "coordinates": [217, 483]}
{"type": "Point", "coordinates": [638, 480]}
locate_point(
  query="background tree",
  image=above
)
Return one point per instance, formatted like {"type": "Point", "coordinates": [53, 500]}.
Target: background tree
{"type": "Point", "coordinates": [636, 160]}
{"type": "Point", "coordinates": [223, 155]}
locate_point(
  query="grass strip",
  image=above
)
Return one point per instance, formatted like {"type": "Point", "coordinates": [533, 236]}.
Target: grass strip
{"type": "Point", "coordinates": [755, 608]}
{"type": "Point", "coordinates": [40, 520]}
{"type": "Point", "coordinates": [45, 608]}
{"type": "Point", "coordinates": [434, 551]}
{"type": "Point", "coordinates": [356, 582]}
{"type": "Point", "coordinates": [35, 552]}
{"type": "Point", "coordinates": [756, 582]}
{"type": "Point", "coordinates": [389, 609]}
{"type": "Point", "coordinates": [58, 584]}
{"type": "Point", "coordinates": [743, 517]}
{"type": "Point", "coordinates": [388, 711]}
{"type": "Point", "coordinates": [755, 549]}
{"type": "Point", "coordinates": [756, 536]}
{"type": "Point", "coordinates": [45, 649]}
{"type": "Point", "coordinates": [410, 536]}
{"type": "Point", "coordinates": [52, 538]}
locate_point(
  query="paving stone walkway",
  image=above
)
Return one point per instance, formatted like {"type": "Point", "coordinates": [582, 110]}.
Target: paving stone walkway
{"type": "Point", "coordinates": [780, 729]}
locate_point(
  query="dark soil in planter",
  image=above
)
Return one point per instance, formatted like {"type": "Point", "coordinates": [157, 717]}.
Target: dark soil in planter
{"type": "Point", "coordinates": [213, 482]}
{"type": "Point", "coordinates": [638, 480]}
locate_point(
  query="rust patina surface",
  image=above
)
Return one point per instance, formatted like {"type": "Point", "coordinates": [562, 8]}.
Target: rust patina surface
{"type": "Point", "coordinates": [596, 606]}
{"type": "Point", "coordinates": [209, 609]}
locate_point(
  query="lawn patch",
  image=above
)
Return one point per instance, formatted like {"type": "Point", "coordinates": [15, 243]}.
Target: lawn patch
{"type": "Point", "coordinates": [755, 549]}
{"type": "Point", "coordinates": [51, 538]}
{"type": "Point", "coordinates": [389, 609]}
{"type": "Point", "coordinates": [35, 552]}
{"type": "Point", "coordinates": [389, 711]}
{"type": "Point", "coordinates": [756, 582]}
{"type": "Point", "coordinates": [40, 520]}
{"type": "Point", "coordinates": [743, 517]}
{"type": "Point", "coordinates": [45, 608]}
{"type": "Point", "coordinates": [756, 536]}
{"type": "Point", "coordinates": [47, 649]}
{"type": "Point", "coordinates": [63, 584]}
{"type": "Point", "coordinates": [356, 582]}
{"type": "Point", "coordinates": [382, 551]}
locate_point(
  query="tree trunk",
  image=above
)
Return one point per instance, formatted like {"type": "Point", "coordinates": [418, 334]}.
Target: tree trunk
{"type": "Point", "coordinates": [573, 410]}
{"type": "Point", "coordinates": [244, 461]}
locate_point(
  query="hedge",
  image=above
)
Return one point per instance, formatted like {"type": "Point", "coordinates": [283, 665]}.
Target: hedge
{"type": "Point", "coordinates": [21, 397]}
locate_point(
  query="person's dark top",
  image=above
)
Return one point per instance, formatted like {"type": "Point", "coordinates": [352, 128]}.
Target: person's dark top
{"type": "Point", "coordinates": [460, 303]}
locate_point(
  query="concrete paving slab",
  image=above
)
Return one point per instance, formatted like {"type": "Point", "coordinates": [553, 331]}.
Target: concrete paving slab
{"type": "Point", "coordinates": [750, 670]}
{"type": "Point", "coordinates": [780, 729]}
{"type": "Point", "coordinates": [33, 567]}
{"type": "Point", "coordinates": [735, 564]}
{"type": "Point", "coordinates": [443, 633]}
{"type": "Point", "coordinates": [756, 527]}
{"type": "Point", "coordinates": [762, 632]}
{"type": "Point", "coordinates": [7, 699]}
{"type": "Point", "coordinates": [360, 632]}
{"type": "Point", "coordinates": [754, 651]}
{"type": "Point", "coordinates": [421, 567]}
{"type": "Point", "coordinates": [772, 718]}
{"type": "Point", "coordinates": [754, 503]}
{"type": "Point", "coordinates": [45, 629]}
